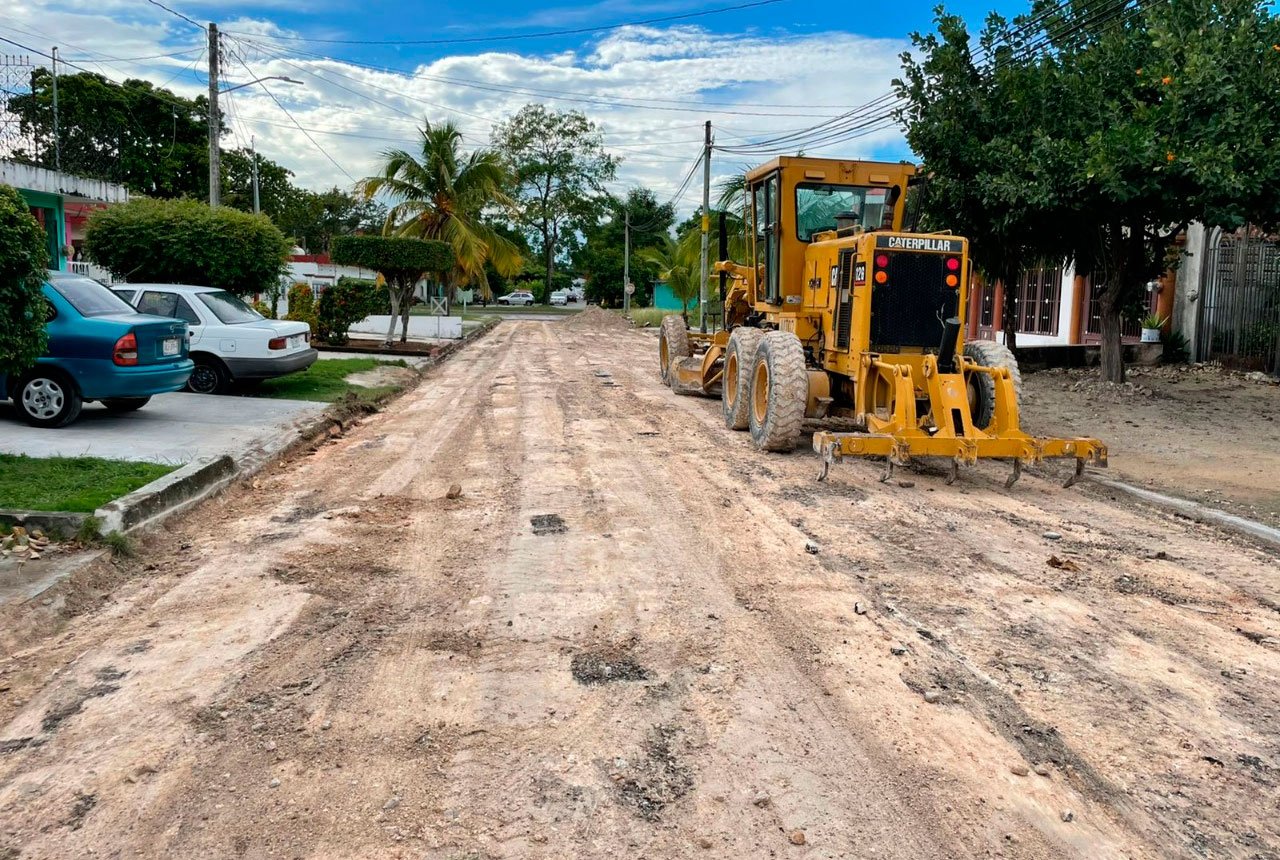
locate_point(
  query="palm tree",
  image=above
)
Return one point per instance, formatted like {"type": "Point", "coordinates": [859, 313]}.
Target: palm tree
{"type": "Point", "coordinates": [442, 194]}
{"type": "Point", "coordinates": [676, 268]}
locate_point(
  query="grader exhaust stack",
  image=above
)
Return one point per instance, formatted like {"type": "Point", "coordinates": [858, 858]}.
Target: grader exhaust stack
{"type": "Point", "coordinates": [843, 320]}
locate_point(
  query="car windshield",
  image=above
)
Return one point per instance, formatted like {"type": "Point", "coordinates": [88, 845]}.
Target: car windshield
{"type": "Point", "coordinates": [818, 205]}
{"type": "Point", "coordinates": [228, 308]}
{"type": "Point", "coordinates": [89, 297]}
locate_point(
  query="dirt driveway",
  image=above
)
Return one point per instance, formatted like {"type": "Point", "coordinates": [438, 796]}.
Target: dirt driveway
{"type": "Point", "coordinates": [633, 636]}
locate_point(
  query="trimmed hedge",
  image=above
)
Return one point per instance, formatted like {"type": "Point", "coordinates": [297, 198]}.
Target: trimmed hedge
{"type": "Point", "coordinates": [23, 259]}
{"type": "Point", "coordinates": [187, 242]}
{"type": "Point", "coordinates": [388, 255]}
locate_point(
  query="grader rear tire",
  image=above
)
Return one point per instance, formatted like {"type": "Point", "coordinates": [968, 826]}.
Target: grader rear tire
{"type": "Point", "coordinates": [735, 386]}
{"type": "Point", "coordinates": [779, 390]}
{"type": "Point", "coordinates": [673, 344]}
{"type": "Point", "coordinates": [982, 388]}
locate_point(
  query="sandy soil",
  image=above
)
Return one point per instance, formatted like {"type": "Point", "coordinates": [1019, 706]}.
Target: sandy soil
{"type": "Point", "coordinates": [1197, 432]}
{"type": "Point", "coordinates": [634, 636]}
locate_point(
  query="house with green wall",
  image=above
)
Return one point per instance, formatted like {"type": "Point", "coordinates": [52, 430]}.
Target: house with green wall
{"type": "Point", "coordinates": [664, 299]}
{"type": "Point", "coordinates": [60, 202]}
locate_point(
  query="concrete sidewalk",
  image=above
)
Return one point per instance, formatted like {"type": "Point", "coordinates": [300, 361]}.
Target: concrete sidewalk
{"type": "Point", "coordinates": [172, 428]}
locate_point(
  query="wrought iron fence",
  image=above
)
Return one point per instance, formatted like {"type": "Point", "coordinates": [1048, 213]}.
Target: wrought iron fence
{"type": "Point", "coordinates": [1239, 313]}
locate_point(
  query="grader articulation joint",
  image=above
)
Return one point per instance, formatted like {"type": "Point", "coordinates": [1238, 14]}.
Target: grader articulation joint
{"type": "Point", "coordinates": [843, 321]}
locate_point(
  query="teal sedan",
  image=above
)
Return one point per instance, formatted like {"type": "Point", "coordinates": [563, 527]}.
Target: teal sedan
{"type": "Point", "coordinates": [101, 349]}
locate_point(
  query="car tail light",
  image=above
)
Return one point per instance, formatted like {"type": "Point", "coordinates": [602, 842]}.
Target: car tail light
{"type": "Point", "coordinates": [126, 351]}
{"type": "Point", "coordinates": [278, 343]}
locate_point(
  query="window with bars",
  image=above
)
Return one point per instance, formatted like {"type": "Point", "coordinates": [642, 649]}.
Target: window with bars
{"type": "Point", "coordinates": [1038, 300]}
{"type": "Point", "coordinates": [1130, 329]}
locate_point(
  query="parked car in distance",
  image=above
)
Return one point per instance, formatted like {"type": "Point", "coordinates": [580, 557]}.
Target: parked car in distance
{"type": "Point", "coordinates": [519, 297]}
{"type": "Point", "coordinates": [230, 341]}
{"type": "Point", "coordinates": [575, 294]}
{"type": "Point", "coordinates": [560, 297]}
{"type": "Point", "coordinates": [101, 349]}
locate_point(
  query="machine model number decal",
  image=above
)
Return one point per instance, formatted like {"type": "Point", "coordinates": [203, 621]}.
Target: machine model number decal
{"type": "Point", "coordinates": [859, 274]}
{"type": "Point", "coordinates": [920, 243]}
{"type": "Point", "coordinates": [835, 276]}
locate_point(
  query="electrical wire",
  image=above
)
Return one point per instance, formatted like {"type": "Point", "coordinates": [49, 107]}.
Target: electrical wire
{"type": "Point", "coordinates": [193, 23]}
{"type": "Point", "coordinates": [295, 122]}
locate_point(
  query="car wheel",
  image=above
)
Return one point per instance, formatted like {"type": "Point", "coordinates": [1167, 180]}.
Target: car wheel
{"type": "Point", "coordinates": [208, 377]}
{"type": "Point", "coordinates": [125, 404]}
{"type": "Point", "coordinates": [47, 398]}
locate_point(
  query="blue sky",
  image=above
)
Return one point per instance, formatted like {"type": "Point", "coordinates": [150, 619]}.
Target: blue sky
{"type": "Point", "coordinates": [754, 72]}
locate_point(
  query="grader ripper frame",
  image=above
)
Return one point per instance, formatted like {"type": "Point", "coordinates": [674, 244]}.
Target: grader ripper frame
{"type": "Point", "coordinates": [846, 320]}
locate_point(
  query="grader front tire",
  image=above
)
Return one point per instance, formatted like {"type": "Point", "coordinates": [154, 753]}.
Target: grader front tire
{"type": "Point", "coordinates": [982, 388]}
{"type": "Point", "coordinates": [735, 389]}
{"type": "Point", "coordinates": [673, 344]}
{"type": "Point", "coordinates": [779, 391]}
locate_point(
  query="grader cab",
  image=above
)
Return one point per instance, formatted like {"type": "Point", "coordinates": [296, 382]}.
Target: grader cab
{"type": "Point", "coordinates": [843, 322]}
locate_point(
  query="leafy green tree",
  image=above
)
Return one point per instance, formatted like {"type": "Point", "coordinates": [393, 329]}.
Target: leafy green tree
{"type": "Point", "coordinates": [186, 242]}
{"type": "Point", "coordinates": [23, 257]}
{"type": "Point", "coordinates": [275, 190]}
{"type": "Point", "coordinates": [149, 139]}
{"type": "Point", "coordinates": [1098, 131]}
{"type": "Point", "coordinates": [560, 169]}
{"type": "Point", "coordinates": [401, 262]}
{"type": "Point", "coordinates": [440, 193]}
{"type": "Point", "coordinates": [314, 219]}
{"type": "Point", "coordinates": [600, 258]}
{"type": "Point", "coordinates": [984, 183]}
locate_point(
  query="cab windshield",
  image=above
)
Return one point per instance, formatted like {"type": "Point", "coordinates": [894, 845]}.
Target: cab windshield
{"type": "Point", "coordinates": [819, 204]}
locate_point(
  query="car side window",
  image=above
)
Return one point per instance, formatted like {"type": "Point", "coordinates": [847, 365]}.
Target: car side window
{"type": "Point", "coordinates": [127, 295]}
{"type": "Point", "coordinates": [185, 313]}
{"type": "Point", "coordinates": [160, 304]}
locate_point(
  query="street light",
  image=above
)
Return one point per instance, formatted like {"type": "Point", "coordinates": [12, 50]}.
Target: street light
{"type": "Point", "coordinates": [258, 81]}
{"type": "Point", "coordinates": [215, 168]}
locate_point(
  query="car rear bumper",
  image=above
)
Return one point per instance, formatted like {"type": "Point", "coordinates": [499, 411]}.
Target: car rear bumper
{"type": "Point", "coordinates": [143, 380]}
{"type": "Point", "coordinates": [267, 368]}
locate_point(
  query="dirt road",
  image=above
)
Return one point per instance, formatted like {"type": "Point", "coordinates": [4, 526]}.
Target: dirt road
{"type": "Point", "coordinates": [616, 644]}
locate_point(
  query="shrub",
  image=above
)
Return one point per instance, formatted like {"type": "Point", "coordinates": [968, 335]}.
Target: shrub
{"type": "Point", "coordinates": [187, 242]}
{"type": "Point", "coordinates": [345, 303]}
{"type": "Point", "coordinates": [23, 258]}
{"type": "Point", "coordinates": [263, 308]}
{"type": "Point", "coordinates": [302, 305]}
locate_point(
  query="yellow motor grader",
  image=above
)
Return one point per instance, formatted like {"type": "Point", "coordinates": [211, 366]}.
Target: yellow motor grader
{"type": "Point", "coordinates": [844, 321]}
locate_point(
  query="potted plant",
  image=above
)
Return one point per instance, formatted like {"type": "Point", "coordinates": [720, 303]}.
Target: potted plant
{"type": "Point", "coordinates": [1151, 326]}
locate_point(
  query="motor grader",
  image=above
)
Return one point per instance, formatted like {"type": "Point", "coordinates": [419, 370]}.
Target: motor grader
{"type": "Point", "coordinates": [844, 322]}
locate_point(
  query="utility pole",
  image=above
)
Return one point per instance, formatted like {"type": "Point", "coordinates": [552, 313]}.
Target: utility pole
{"type": "Point", "coordinates": [57, 138]}
{"type": "Point", "coordinates": [626, 263]}
{"type": "Point", "coordinates": [253, 149]}
{"type": "Point", "coordinates": [706, 229]}
{"type": "Point", "coordinates": [215, 167]}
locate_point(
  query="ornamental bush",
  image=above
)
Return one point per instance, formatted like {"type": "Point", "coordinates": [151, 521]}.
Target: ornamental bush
{"type": "Point", "coordinates": [187, 242]}
{"type": "Point", "coordinates": [302, 305]}
{"type": "Point", "coordinates": [344, 304]}
{"type": "Point", "coordinates": [401, 262]}
{"type": "Point", "coordinates": [23, 259]}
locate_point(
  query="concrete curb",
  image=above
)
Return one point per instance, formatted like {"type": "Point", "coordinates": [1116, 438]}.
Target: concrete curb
{"type": "Point", "coordinates": [167, 495]}
{"type": "Point", "coordinates": [471, 336]}
{"type": "Point", "coordinates": [47, 521]}
{"type": "Point", "coordinates": [1198, 512]}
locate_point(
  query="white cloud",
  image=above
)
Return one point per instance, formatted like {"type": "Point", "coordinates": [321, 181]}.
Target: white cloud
{"type": "Point", "coordinates": [649, 88]}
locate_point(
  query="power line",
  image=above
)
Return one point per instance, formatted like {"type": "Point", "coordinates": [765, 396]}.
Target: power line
{"type": "Point", "coordinates": [178, 14]}
{"type": "Point", "coordinates": [515, 36]}
{"type": "Point", "coordinates": [298, 125]}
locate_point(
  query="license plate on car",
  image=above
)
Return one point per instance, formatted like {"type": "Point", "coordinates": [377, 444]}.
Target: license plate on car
{"type": "Point", "coordinates": [295, 341]}
{"type": "Point", "coordinates": [169, 346]}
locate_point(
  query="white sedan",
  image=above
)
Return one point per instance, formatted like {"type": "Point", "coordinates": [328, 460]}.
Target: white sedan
{"type": "Point", "coordinates": [519, 297]}
{"type": "Point", "coordinates": [230, 341]}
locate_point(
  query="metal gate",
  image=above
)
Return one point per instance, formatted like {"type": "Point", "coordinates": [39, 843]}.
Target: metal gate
{"type": "Point", "coordinates": [1239, 316]}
